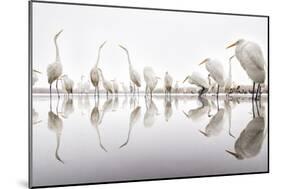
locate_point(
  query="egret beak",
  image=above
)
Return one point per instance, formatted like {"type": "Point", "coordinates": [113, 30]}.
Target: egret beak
{"type": "Point", "coordinates": [37, 71]}
{"type": "Point", "coordinates": [185, 114]}
{"type": "Point", "coordinates": [203, 133]}
{"type": "Point", "coordinates": [185, 79]}
{"type": "Point", "coordinates": [203, 62]}
{"type": "Point", "coordinates": [233, 153]}
{"type": "Point", "coordinates": [103, 44]}
{"type": "Point", "coordinates": [233, 44]}
{"type": "Point", "coordinates": [59, 33]}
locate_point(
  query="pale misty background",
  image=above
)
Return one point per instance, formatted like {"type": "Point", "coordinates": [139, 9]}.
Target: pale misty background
{"type": "Point", "coordinates": [167, 41]}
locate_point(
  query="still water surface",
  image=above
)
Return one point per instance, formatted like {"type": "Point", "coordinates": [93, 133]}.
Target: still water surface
{"type": "Point", "coordinates": [84, 140]}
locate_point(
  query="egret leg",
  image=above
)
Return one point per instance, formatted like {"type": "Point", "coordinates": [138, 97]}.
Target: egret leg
{"type": "Point", "coordinates": [253, 91]}
{"type": "Point", "coordinates": [57, 88]}
{"type": "Point", "coordinates": [257, 93]}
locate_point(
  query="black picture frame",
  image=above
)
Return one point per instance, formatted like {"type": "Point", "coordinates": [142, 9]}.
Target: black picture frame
{"type": "Point", "coordinates": [30, 100]}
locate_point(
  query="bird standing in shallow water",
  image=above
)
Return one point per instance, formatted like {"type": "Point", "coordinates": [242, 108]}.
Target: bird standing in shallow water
{"type": "Point", "coordinates": [54, 70]}
{"type": "Point", "coordinates": [196, 79]}
{"type": "Point", "coordinates": [134, 75]}
{"type": "Point", "coordinates": [68, 84]}
{"type": "Point", "coordinates": [250, 56]}
{"type": "Point", "coordinates": [94, 74]}
{"type": "Point", "coordinates": [168, 83]}
{"type": "Point", "coordinates": [216, 71]}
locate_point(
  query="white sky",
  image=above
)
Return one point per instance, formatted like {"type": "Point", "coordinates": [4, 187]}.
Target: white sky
{"type": "Point", "coordinates": [166, 41]}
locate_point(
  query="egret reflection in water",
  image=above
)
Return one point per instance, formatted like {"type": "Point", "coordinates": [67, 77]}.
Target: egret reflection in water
{"type": "Point", "coordinates": [168, 109]}
{"type": "Point", "coordinates": [55, 124]}
{"type": "Point", "coordinates": [96, 121]}
{"type": "Point", "coordinates": [249, 143]}
{"type": "Point", "coordinates": [197, 113]}
{"type": "Point", "coordinates": [150, 113]}
{"type": "Point", "coordinates": [215, 125]}
{"type": "Point", "coordinates": [67, 107]}
{"type": "Point", "coordinates": [134, 118]}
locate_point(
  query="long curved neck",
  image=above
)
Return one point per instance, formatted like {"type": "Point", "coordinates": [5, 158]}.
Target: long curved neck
{"type": "Point", "coordinates": [98, 59]}
{"type": "Point", "coordinates": [57, 50]}
{"type": "Point", "coordinates": [129, 60]}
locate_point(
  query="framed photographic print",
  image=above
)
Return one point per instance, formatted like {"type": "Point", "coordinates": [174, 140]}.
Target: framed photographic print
{"type": "Point", "coordinates": [121, 94]}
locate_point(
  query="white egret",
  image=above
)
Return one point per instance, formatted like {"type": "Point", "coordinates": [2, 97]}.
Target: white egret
{"type": "Point", "coordinates": [107, 85]}
{"type": "Point", "coordinates": [35, 76]}
{"type": "Point", "coordinates": [216, 71]}
{"type": "Point", "coordinates": [150, 79]}
{"type": "Point", "coordinates": [168, 83]}
{"type": "Point", "coordinates": [134, 75]}
{"type": "Point", "coordinates": [68, 84]}
{"type": "Point", "coordinates": [115, 86]}
{"type": "Point", "coordinates": [196, 79]}
{"type": "Point", "coordinates": [54, 70]}
{"type": "Point", "coordinates": [176, 87]}
{"type": "Point", "coordinates": [94, 74]}
{"type": "Point", "coordinates": [250, 56]}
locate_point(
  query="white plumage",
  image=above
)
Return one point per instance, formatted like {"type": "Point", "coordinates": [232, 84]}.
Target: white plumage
{"type": "Point", "coordinates": [134, 75]}
{"type": "Point", "coordinates": [115, 86]}
{"type": "Point", "coordinates": [168, 83]}
{"type": "Point", "coordinates": [250, 56]}
{"type": "Point", "coordinates": [54, 70]}
{"type": "Point", "coordinates": [216, 71]}
{"type": "Point", "coordinates": [94, 74]}
{"type": "Point", "coordinates": [35, 76]}
{"type": "Point", "coordinates": [107, 85]}
{"type": "Point", "coordinates": [197, 79]}
{"type": "Point", "coordinates": [251, 59]}
{"type": "Point", "coordinates": [150, 79]}
{"type": "Point", "coordinates": [68, 84]}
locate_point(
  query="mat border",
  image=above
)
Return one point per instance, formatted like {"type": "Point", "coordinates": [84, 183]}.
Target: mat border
{"type": "Point", "coordinates": [30, 100]}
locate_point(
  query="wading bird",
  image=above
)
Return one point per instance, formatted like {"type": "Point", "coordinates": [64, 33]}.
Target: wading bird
{"type": "Point", "coordinates": [150, 79]}
{"type": "Point", "coordinates": [115, 86]}
{"type": "Point", "coordinates": [168, 82]}
{"type": "Point", "coordinates": [196, 79]}
{"type": "Point", "coordinates": [54, 70]}
{"type": "Point", "coordinates": [216, 71]}
{"type": "Point", "coordinates": [176, 87]}
{"type": "Point", "coordinates": [134, 75]}
{"type": "Point", "coordinates": [107, 85]}
{"type": "Point", "coordinates": [250, 56]}
{"type": "Point", "coordinates": [35, 76]}
{"type": "Point", "coordinates": [68, 84]}
{"type": "Point", "coordinates": [94, 74]}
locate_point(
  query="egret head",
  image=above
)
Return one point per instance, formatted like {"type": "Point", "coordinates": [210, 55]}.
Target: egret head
{"type": "Point", "coordinates": [57, 35]}
{"type": "Point", "coordinates": [102, 45]}
{"type": "Point", "coordinates": [237, 156]}
{"type": "Point", "coordinates": [204, 133]}
{"type": "Point", "coordinates": [186, 79]}
{"type": "Point", "coordinates": [36, 71]}
{"type": "Point", "coordinates": [123, 48]}
{"type": "Point", "coordinates": [204, 61]}
{"type": "Point", "coordinates": [238, 42]}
